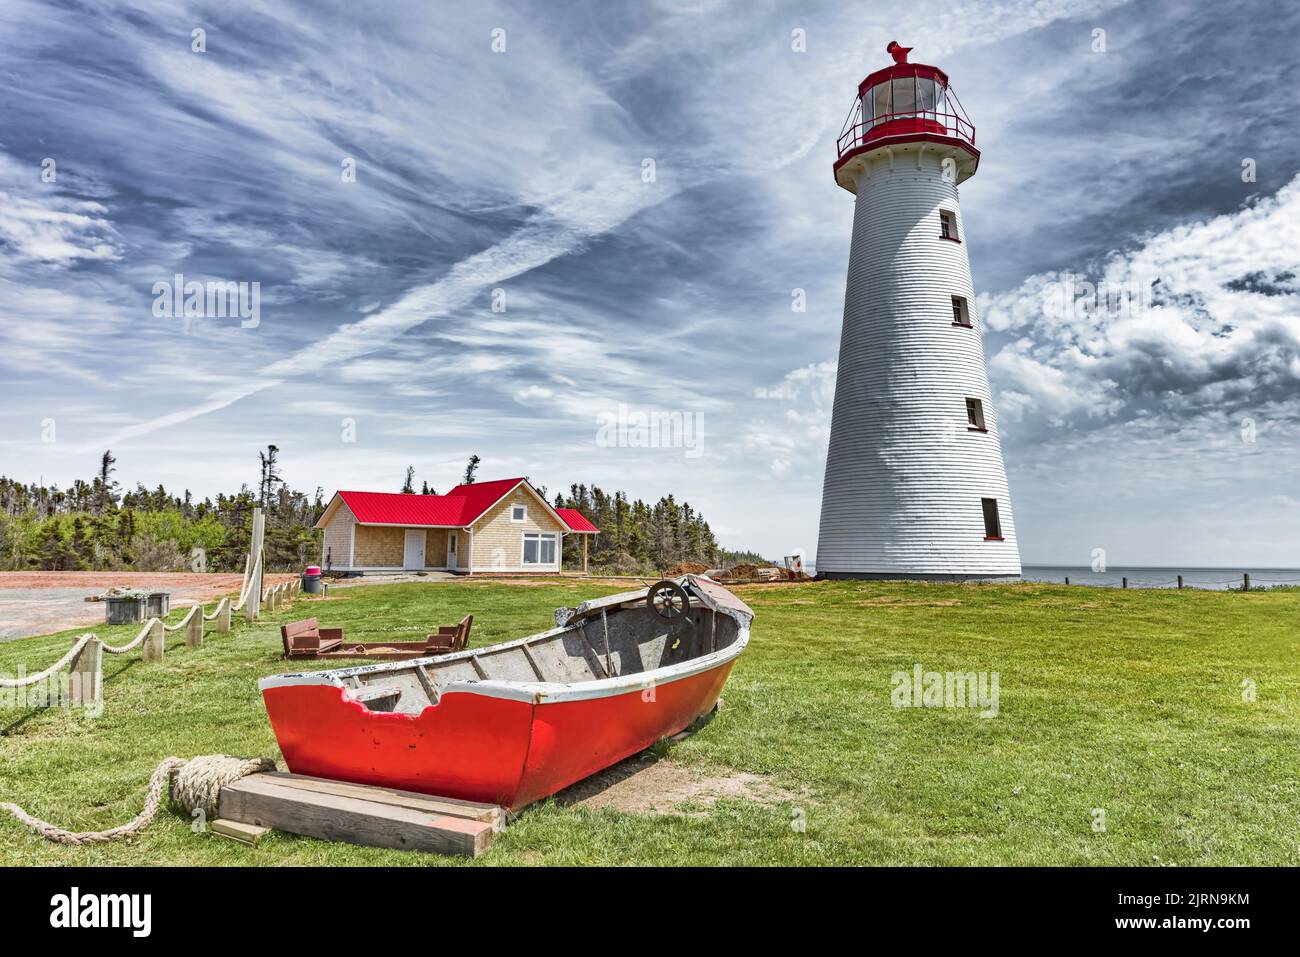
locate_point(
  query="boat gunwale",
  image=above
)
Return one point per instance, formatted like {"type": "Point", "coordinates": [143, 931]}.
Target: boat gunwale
{"type": "Point", "coordinates": [534, 692]}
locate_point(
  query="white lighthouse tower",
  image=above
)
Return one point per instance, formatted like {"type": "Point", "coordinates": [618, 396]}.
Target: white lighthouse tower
{"type": "Point", "coordinates": [915, 485]}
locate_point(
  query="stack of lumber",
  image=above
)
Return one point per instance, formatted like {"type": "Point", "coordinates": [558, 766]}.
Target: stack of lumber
{"type": "Point", "coordinates": [358, 813]}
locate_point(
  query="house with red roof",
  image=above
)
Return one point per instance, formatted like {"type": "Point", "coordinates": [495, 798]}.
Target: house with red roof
{"type": "Point", "coordinates": [485, 527]}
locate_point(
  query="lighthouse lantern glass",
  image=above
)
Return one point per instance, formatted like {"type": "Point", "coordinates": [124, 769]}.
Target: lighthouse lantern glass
{"type": "Point", "coordinates": [880, 97]}
{"type": "Point", "coordinates": [902, 97]}
{"type": "Point", "coordinates": [925, 98]}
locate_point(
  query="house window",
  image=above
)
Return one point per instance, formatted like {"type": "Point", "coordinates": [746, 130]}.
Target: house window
{"type": "Point", "coordinates": [539, 548]}
{"type": "Point", "coordinates": [992, 527]}
{"type": "Point", "coordinates": [948, 225]}
{"type": "Point", "coordinates": [975, 415]}
{"type": "Point", "coordinates": [518, 513]}
{"type": "Point", "coordinates": [960, 312]}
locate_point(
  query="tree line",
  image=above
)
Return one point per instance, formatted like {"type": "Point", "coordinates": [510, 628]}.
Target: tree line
{"type": "Point", "coordinates": [95, 524]}
{"type": "Point", "coordinates": [639, 538]}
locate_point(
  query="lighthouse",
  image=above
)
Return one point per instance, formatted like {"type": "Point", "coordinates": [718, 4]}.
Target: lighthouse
{"type": "Point", "coordinates": [915, 485]}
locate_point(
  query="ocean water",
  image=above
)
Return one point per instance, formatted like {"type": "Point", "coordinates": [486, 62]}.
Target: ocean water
{"type": "Point", "coordinates": [1218, 579]}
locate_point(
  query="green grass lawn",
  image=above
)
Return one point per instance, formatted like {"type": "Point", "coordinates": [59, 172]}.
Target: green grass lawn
{"type": "Point", "coordinates": [1125, 701]}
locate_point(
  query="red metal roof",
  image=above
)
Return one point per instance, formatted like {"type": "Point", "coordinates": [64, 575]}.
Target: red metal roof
{"type": "Point", "coordinates": [481, 496]}
{"type": "Point", "coordinates": [900, 70]}
{"type": "Point", "coordinates": [460, 507]}
{"type": "Point", "coordinates": [576, 520]}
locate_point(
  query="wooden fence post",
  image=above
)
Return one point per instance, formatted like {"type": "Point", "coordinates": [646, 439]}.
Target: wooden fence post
{"type": "Point", "coordinates": [1245, 582]}
{"type": "Point", "coordinates": [222, 622]}
{"type": "Point", "coordinates": [86, 675]}
{"type": "Point", "coordinates": [1180, 582]}
{"type": "Point", "coordinates": [194, 627]}
{"type": "Point", "coordinates": [253, 605]}
{"type": "Point", "coordinates": [152, 649]}
{"type": "Point", "coordinates": [1125, 581]}
{"type": "Point", "coordinates": [1067, 579]}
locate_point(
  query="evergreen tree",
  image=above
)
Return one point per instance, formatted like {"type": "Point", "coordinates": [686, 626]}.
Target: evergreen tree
{"type": "Point", "coordinates": [105, 487]}
{"type": "Point", "coordinates": [471, 470]}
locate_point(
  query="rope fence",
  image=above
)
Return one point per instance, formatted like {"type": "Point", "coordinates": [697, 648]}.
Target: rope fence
{"type": "Point", "coordinates": [84, 660]}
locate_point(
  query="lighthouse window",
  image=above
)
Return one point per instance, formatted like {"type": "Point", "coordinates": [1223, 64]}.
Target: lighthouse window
{"type": "Point", "coordinates": [925, 98]}
{"type": "Point", "coordinates": [905, 94]}
{"type": "Point", "coordinates": [948, 225]}
{"type": "Point", "coordinates": [975, 414]}
{"type": "Point", "coordinates": [992, 527]}
{"type": "Point", "coordinates": [960, 313]}
{"type": "Point", "coordinates": [880, 95]}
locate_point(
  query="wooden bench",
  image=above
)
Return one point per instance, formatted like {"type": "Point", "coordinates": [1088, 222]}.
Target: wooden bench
{"type": "Point", "coordinates": [450, 638]}
{"type": "Point", "coordinates": [306, 639]}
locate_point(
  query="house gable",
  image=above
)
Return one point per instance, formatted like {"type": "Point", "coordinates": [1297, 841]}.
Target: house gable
{"type": "Point", "coordinates": [499, 538]}
{"type": "Point", "coordinates": [331, 510]}
{"type": "Point", "coordinates": [337, 540]}
{"type": "Point", "coordinates": [520, 493]}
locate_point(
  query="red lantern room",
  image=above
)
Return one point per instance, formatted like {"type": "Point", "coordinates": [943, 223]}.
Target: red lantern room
{"type": "Point", "coordinates": [903, 108]}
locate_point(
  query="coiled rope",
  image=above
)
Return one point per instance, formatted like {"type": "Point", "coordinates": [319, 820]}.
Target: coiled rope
{"type": "Point", "coordinates": [197, 785]}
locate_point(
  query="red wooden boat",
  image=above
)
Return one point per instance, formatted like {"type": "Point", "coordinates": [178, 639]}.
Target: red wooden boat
{"type": "Point", "coordinates": [514, 722]}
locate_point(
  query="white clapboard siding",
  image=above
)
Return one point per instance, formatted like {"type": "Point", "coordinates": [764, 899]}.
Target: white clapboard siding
{"type": "Point", "coordinates": [904, 476]}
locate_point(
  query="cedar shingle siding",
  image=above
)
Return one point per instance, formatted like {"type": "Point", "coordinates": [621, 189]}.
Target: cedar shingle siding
{"type": "Point", "coordinates": [499, 542]}
{"type": "Point", "coordinates": [336, 541]}
{"type": "Point", "coordinates": [379, 546]}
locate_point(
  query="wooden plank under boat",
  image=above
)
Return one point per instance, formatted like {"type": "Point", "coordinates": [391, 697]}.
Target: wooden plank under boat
{"type": "Point", "coordinates": [514, 722]}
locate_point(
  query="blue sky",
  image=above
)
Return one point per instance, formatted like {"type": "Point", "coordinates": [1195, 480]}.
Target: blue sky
{"type": "Point", "coordinates": [1166, 434]}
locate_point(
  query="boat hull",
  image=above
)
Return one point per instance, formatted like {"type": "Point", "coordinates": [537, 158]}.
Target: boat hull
{"type": "Point", "coordinates": [478, 747]}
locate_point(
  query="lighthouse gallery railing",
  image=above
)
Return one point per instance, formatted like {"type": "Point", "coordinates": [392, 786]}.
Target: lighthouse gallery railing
{"type": "Point", "coordinates": [903, 124]}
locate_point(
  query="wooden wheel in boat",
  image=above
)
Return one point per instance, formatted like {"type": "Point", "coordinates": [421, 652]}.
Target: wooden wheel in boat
{"type": "Point", "coordinates": [669, 600]}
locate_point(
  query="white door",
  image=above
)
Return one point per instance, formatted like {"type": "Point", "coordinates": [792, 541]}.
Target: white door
{"type": "Point", "coordinates": [413, 552]}
{"type": "Point", "coordinates": [451, 549]}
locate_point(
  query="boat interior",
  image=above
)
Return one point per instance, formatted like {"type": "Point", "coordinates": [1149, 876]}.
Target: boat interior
{"type": "Point", "coordinates": [612, 641]}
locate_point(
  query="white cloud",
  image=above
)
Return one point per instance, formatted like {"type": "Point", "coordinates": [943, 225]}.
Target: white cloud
{"type": "Point", "coordinates": [1219, 329]}
{"type": "Point", "coordinates": [55, 230]}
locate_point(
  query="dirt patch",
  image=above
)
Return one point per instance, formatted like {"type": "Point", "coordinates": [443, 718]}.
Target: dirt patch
{"type": "Point", "coordinates": [396, 578]}
{"type": "Point", "coordinates": [748, 588]}
{"type": "Point", "coordinates": [219, 582]}
{"type": "Point", "coordinates": [39, 603]}
{"type": "Point", "coordinates": [887, 602]}
{"type": "Point", "coordinates": [624, 584]}
{"type": "Point", "coordinates": [645, 784]}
